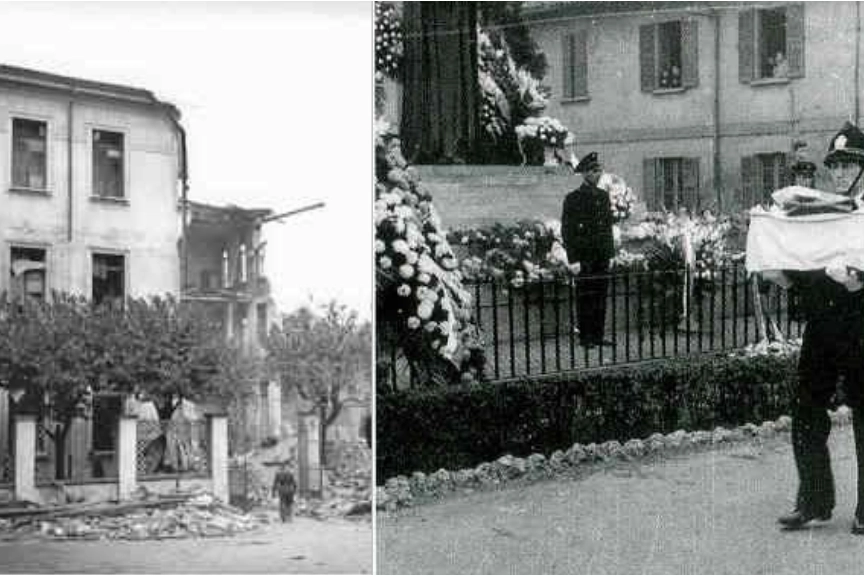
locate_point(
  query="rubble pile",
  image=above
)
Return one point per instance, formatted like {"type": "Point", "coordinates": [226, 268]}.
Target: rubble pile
{"type": "Point", "coordinates": [199, 517]}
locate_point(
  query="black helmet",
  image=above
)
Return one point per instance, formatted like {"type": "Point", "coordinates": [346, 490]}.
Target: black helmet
{"type": "Point", "coordinates": [847, 145]}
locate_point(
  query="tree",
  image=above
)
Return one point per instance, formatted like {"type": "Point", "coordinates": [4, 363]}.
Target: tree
{"type": "Point", "coordinates": [55, 356]}
{"type": "Point", "coordinates": [176, 352]}
{"type": "Point", "coordinates": [319, 356]}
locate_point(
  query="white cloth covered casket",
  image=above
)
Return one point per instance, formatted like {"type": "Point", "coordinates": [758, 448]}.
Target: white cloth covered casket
{"type": "Point", "coordinates": [776, 241]}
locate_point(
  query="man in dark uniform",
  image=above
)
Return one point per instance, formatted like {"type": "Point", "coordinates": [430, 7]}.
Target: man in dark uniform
{"type": "Point", "coordinates": [832, 304]}
{"type": "Point", "coordinates": [284, 487]}
{"type": "Point", "coordinates": [586, 229]}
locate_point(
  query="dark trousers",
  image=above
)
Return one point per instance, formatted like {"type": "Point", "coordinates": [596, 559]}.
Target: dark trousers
{"type": "Point", "coordinates": [286, 503]}
{"type": "Point", "coordinates": [591, 288]}
{"type": "Point", "coordinates": [831, 347]}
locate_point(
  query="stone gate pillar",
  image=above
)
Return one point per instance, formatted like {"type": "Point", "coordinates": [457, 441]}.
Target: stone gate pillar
{"type": "Point", "coordinates": [25, 458]}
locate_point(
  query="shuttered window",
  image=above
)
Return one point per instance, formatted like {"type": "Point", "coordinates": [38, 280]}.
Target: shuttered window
{"type": "Point", "coordinates": [574, 50]}
{"type": "Point", "coordinates": [671, 183]}
{"type": "Point", "coordinates": [771, 43]}
{"type": "Point", "coordinates": [669, 55]}
{"type": "Point", "coordinates": [761, 175]}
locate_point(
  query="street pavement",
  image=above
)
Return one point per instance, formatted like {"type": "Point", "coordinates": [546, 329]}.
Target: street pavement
{"type": "Point", "coordinates": [704, 512]}
{"type": "Point", "coordinates": [305, 546]}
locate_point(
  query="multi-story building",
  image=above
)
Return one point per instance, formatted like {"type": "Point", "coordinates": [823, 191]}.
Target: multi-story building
{"type": "Point", "coordinates": [90, 177]}
{"type": "Point", "coordinates": [699, 104]}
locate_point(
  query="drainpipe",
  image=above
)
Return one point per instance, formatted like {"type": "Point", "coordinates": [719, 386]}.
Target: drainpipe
{"type": "Point", "coordinates": [718, 172]}
{"type": "Point", "coordinates": [70, 116]}
{"type": "Point", "coordinates": [857, 59]}
{"type": "Point", "coordinates": [184, 198]}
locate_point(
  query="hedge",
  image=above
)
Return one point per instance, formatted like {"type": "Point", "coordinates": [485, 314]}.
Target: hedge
{"type": "Point", "coordinates": [452, 428]}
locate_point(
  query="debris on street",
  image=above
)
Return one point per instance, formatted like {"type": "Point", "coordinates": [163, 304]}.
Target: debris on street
{"type": "Point", "coordinates": [197, 515]}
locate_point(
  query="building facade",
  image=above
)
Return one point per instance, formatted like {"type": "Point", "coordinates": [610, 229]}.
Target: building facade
{"type": "Point", "coordinates": [89, 187]}
{"type": "Point", "coordinates": [699, 104]}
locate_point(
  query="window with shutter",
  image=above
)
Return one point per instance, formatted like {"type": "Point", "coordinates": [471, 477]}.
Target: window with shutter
{"type": "Point", "coordinates": [746, 44]}
{"type": "Point", "coordinates": [575, 65]}
{"type": "Point", "coordinates": [567, 66]}
{"type": "Point", "coordinates": [580, 64]}
{"type": "Point", "coordinates": [771, 43]}
{"type": "Point", "coordinates": [795, 40]}
{"type": "Point", "coordinates": [649, 177]}
{"type": "Point", "coordinates": [690, 184]}
{"type": "Point", "coordinates": [749, 178]}
{"type": "Point", "coordinates": [647, 74]}
{"type": "Point", "coordinates": [690, 53]}
{"type": "Point", "coordinates": [669, 55]}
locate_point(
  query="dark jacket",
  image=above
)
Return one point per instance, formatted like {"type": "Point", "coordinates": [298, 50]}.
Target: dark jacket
{"type": "Point", "coordinates": [821, 298]}
{"type": "Point", "coordinates": [284, 484]}
{"type": "Point", "coordinates": [586, 225]}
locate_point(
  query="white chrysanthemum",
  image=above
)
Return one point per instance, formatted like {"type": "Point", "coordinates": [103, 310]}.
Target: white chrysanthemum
{"type": "Point", "coordinates": [425, 309]}
{"type": "Point", "coordinates": [385, 262]}
{"type": "Point", "coordinates": [424, 278]}
{"type": "Point", "coordinates": [404, 290]}
{"type": "Point", "coordinates": [411, 257]}
{"type": "Point", "coordinates": [379, 246]}
{"type": "Point", "coordinates": [400, 246]}
{"type": "Point", "coordinates": [406, 271]}
{"type": "Point", "coordinates": [430, 326]}
{"type": "Point", "coordinates": [413, 322]}
{"type": "Point", "coordinates": [391, 199]}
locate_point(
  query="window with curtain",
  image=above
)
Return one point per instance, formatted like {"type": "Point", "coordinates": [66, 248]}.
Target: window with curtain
{"type": "Point", "coordinates": [108, 164]}
{"type": "Point", "coordinates": [29, 154]}
{"type": "Point", "coordinates": [109, 279]}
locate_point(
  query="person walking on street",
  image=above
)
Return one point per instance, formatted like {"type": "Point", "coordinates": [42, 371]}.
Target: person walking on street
{"type": "Point", "coordinates": [284, 487]}
{"type": "Point", "coordinates": [586, 230]}
{"type": "Point", "coordinates": [832, 304]}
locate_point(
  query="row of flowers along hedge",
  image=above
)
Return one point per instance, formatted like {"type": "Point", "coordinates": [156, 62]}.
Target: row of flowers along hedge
{"type": "Point", "coordinates": [453, 428]}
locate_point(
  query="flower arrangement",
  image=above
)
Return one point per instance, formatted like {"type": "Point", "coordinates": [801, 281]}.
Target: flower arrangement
{"type": "Point", "coordinates": [418, 285]}
{"type": "Point", "coordinates": [518, 254]}
{"type": "Point", "coordinates": [388, 40]}
{"type": "Point", "coordinates": [545, 130]}
{"type": "Point", "coordinates": [621, 196]}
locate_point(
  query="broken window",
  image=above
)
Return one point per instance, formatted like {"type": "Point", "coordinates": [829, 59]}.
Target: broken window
{"type": "Point", "coordinates": [109, 279]}
{"type": "Point", "coordinates": [107, 164]}
{"type": "Point", "coordinates": [28, 272]}
{"type": "Point", "coordinates": [29, 154]}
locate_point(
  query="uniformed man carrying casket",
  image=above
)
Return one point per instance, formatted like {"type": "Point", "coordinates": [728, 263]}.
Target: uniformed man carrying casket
{"type": "Point", "coordinates": [832, 303]}
{"type": "Point", "coordinates": [586, 230]}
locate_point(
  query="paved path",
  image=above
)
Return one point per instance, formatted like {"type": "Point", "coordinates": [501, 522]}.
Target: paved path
{"type": "Point", "coordinates": [708, 512]}
{"type": "Point", "coordinates": [305, 546]}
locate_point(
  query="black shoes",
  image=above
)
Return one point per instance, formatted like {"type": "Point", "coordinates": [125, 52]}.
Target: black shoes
{"type": "Point", "coordinates": [797, 519]}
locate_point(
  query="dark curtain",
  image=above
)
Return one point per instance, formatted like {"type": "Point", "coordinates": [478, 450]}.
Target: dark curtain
{"type": "Point", "coordinates": [440, 107]}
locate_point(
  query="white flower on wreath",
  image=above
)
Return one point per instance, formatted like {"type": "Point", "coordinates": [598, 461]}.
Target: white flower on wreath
{"type": "Point", "coordinates": [406, 271]}
{"type": "Point", "coordinates": [385, 262]}
{"type": "Point", "coordinates": [413, 322]}
{"type": "Point", "coordinates": [379, 246]}
{"type": "Point", "coordinates": [425, 309]}
{"type": "Point", "coordinates": [400, 246]}
{"type": "Point", "coordinates": [404, 290]}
